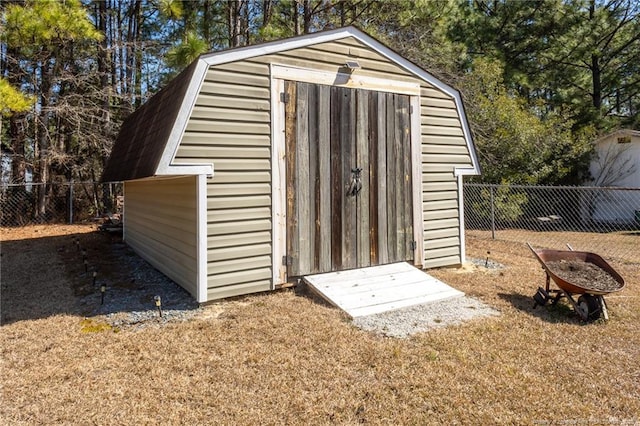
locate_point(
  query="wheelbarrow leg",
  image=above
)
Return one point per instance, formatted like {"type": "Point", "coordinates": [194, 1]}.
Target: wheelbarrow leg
{"type": "Point", "coordinates": [603, 306]}
{"type": "Point", "coordinates": [548, 282]}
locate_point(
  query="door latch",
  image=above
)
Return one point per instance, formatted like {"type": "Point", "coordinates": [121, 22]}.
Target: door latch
{"type": "Point", "coordinates": [355, 185]}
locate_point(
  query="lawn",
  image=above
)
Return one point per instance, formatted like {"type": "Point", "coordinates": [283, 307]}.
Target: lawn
{"type": "Point", "coordinates": [282, 358]}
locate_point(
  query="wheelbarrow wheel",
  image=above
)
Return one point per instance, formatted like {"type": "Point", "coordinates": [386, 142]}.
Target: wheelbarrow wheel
{"type": "Point", "coordinates": [590, 307]}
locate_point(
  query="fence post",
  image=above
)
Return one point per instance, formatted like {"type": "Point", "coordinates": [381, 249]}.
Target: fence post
{"type": "Point", "coordinates": [493, 213]}
{"type": "Point", "coordinates": [71, 201]}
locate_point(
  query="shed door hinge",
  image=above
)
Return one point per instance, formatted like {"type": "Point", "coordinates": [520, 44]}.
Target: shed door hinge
{"type": "Point", "coordinates": [284, 97]}
{"type": "Point", "coordinates": [286, 260]}
{"type": "Point", "coordinates": [413, 245]}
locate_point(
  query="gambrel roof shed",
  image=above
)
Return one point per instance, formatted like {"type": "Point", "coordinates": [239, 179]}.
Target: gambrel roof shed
{"type": "Point", "coordinates": [330, 151]}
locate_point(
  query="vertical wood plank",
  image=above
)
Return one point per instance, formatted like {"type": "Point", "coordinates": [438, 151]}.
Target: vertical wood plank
{"type": "Point", "coordinates": [347, 136]}
{"type": "Point", "coordinates": [372, 127]}
{"type": "Point", "coordinates": [392, 185]}
{"type": "Point", "coordinates": [381, 142]}
{"type": "Point", "coordinates": [290, 149]}
{"type": "Point", "coordinates": [302, 179]}
{"type": "Point", "coordinates": [324, 176]}
{"type": "Point", "coordinates": [401, 242]}
{"type": "Point", "coordinates": [337, 186]}
{"type": "Point", "coordinates": [362, 155]}
{"type": "Point", "coordinates": [407, 208]}
{"type": "Point", "coordinates": [314, 179]}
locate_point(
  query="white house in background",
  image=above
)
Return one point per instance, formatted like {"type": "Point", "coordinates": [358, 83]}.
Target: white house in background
{"type": "Point", "coordinates": [617, 165]}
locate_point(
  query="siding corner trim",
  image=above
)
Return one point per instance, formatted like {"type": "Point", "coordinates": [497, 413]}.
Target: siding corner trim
{"type": "Point", "coordinates": [201, 237]}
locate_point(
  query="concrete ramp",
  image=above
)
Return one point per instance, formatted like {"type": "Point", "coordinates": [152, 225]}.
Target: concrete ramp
{"type": "Point", "coordinates": [377, 289]}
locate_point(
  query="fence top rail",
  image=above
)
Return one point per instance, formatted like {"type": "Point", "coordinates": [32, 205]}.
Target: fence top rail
{"type": "Point", "coordinates": [599, 188]}
{"type": "Point", "coordinates": [14, 185]}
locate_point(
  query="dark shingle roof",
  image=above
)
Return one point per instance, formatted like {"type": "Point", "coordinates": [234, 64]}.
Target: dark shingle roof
{"type": "Point", "coordinates": [144, 134]}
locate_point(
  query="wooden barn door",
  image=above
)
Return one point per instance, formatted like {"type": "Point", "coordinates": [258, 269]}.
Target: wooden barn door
{"type": "Point", "coordinates": [348, 174]}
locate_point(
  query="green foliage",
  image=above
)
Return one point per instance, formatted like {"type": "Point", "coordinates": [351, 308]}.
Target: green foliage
{"type": "Point", "coordinates": [46, 24]}
{"type": "Point", "coordinates": [419, 30]}
{"type": "Point", "coordinates": [507, 205]}
{"type": "Point", "coordinates": [187, 51]}
{"type": "Point", "coordinates": [579, 57]}
{"type": "Point", "coordinates": [514, 144]}
{"type": "Point", "coordinates": [12, 100]}
{"type": "Point", "coordinates": [170, 9]}
{"type": "Point", "coordinates": [540, 78]}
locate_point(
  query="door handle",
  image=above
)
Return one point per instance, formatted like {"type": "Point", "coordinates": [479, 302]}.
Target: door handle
{"type": "Point", "coordinates": [355, 185]}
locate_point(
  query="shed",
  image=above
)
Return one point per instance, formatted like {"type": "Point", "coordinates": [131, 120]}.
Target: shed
{"type": "Point", "coordinates": [330, 150]}
{"type": "Point", "coordinates": [616, 165]}
{"type": "Point", "coordinates": [617, 159]}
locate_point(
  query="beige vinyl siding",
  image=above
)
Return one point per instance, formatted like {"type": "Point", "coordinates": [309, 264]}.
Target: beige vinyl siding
{"type": "Point", "coordinates": [443, 149]}
{"type": "Point", "coordinates": [230, 127]}
{"type": "Point", "coordinates": [161, 226]}
{"type": "Point", "coordinates": [332, 56]}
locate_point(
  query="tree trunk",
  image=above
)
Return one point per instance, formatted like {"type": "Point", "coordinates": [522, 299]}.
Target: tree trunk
{"type": "Point", "coordinates": [103, 61]}
{"type": "Point", "coordinates": [234, 22]}
{"type": "Point", "coordinates": [596, 75]}
{"type": "Point", "coordinates": [296, 18]}
{"type": "Point", "coordinates": [307, 15]}
{"type": "Point", "coordinates": [17, 122]}
{"type": "Point", "coordinates": [42, 162]}
{"type": "Point", "coordinates": [133, 53]}
{"type": "Point", "coordinates": [267, 10]}
{"type": "Point", "coordinates": [206, 22]}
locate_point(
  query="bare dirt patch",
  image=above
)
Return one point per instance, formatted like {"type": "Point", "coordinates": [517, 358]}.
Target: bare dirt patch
{"type": "Point", "coordinates": [278, 358]}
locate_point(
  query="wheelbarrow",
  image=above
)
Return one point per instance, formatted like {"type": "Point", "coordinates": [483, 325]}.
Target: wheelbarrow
{"type": "Point", "coordinates": [590, 305]}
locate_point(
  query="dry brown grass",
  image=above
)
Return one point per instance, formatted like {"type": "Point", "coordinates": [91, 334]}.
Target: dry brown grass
{"type": "Point", "coordinates": [622, 245]}
{"type": "Point", "coordinates": [283, 359]}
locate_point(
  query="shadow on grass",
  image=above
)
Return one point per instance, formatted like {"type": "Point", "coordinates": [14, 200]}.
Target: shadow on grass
{"type": "Point", "coordinates": [560, 312]}
{"type": "Point", "coordinates": [47, 276]}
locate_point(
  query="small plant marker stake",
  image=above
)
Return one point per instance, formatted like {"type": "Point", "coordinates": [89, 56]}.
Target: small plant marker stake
{"type": "Point", "coordinates": [78, 243]}
{"type": "Point", "coordinates": [95, 274]}
{"type": "Point", "coordinates": [103, 290]}
{"type": "Point", "coordinates": [158, 302]}
{"type": "Point", "coordinates": [486, 262]}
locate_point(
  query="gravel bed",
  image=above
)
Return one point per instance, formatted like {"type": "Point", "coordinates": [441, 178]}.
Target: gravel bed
{"type": "Point", "coordinates": [129, 298]}
{"type": "Point", "coordinates": [486, 263]}
{"type": "Point", "coordinates": [404, 322]}
{"type": "Point", "coordinates": [129, 301]}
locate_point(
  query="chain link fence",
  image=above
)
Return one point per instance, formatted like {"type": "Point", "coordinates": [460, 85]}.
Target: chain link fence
{"type": "Point", "coordinates": [601, 220]}
{"type": "Point", "coordinates": [605, 221]}
{"type": "Point", "coordinates": [36, 203]}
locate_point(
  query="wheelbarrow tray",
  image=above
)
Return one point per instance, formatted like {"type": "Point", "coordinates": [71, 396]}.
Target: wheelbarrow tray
{"type": "Point", "coordinates": [545, 256]}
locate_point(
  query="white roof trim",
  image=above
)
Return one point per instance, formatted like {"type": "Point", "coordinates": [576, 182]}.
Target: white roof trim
{"type": "Point", "coordinates": [620, 132]}
{"type": "Point", "coordinates": [238, 54]}
{"type": "Point", "coordinates": [464, 171]}
{"type": "Point", "coordinates": [164, 166]}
